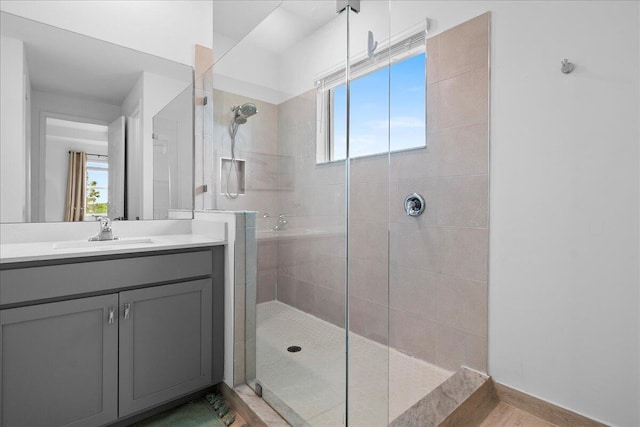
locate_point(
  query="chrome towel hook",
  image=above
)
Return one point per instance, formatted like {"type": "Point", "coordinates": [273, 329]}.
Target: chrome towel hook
{"type": "Point", "coordinates": [567, 66]}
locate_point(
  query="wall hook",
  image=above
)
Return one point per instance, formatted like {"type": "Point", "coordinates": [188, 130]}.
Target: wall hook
{"type": "Point", "coordinates": [567, 66]}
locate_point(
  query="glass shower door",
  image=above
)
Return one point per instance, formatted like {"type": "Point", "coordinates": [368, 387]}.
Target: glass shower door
{"type": "Point", "coordinates": [367, 154]}
{"type": "Point", "coordinates": [294, 340]}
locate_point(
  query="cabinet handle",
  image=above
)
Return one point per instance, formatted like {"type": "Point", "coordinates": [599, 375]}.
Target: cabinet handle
{"type": "Point", "coordinates": [127, 310]}
{"type": "Point", "coordinates": [111, 315]}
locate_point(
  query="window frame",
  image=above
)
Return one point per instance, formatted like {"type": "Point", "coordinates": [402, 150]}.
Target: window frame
{"type": "Point", "coordinates": [406, 45]}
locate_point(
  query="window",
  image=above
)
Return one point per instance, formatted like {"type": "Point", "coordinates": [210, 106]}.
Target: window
{"type": "Point", "coordinates": [381, 119]}
{"type": "Point", "coordinates": [97, 195]}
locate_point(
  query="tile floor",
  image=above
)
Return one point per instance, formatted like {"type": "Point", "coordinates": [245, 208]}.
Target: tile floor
{"type": "Point", "coordinates": [308, 387]}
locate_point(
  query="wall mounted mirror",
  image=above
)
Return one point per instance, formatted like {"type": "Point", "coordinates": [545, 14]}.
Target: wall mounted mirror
{"type": "Point", "coordinates": [129, 112]}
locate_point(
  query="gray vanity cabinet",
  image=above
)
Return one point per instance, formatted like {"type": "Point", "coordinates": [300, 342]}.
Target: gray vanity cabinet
{"type": "Point", "coordinates": [59, 363]}
{"type": "Point", "coordinates": [165, 343]}
{"type": "Point", "coordinates": [103, 340]}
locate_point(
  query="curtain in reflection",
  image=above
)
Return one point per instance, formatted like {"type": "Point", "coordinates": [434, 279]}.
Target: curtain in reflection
{"type": "Point", "coordinates": [76, 187]}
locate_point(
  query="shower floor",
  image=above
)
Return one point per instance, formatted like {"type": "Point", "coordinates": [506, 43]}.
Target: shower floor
{"type": "Point", "coordinates": [308, 387]}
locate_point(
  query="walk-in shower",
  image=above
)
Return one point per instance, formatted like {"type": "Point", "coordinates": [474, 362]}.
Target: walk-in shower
{"type": "Point", "coordinates": [362, 116]}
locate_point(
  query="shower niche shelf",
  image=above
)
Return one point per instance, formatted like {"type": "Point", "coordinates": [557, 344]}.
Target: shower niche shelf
{"type": "Point", "coordinates": [232, 177]}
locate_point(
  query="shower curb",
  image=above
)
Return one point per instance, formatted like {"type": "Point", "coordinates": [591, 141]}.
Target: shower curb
{"type": "Point", "coordinates": [465, 398]}
{"type": "Point", "coordinates": [255, 411]}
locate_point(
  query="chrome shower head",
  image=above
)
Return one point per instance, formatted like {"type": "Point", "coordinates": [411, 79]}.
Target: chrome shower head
{"type": "Point", "coordinates": [243, 112]}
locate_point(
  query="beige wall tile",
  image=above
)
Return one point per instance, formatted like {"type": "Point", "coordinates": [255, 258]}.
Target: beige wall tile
{"type": "Point", "coordinates": [433, 111]}
{"type": "Point", "coordinates": [376, 325]}
{"type": "Point", "coordinates": [463, 99]}
{"type": "Point", "coordinates": [304, 296]}
{"type": "Point", "coordinates": [451, 347]}
{"type": "Point", "coordinates": [331, 272]}
{"type": "Point", "coordinates": [267, 284]}
{"type": "Point", "coordinates": [464, 47]}
{"type": "Point", "coordinates": [476, 352]}
{"type": "Point", "coordinates": [462, 304]}
{"type": "Point", "coordinates": [413, 290]}
{"type": "Point", "coordinates": [267, 254]}
{"type": "Point", "coordinates": [413, 334]}
{"type": "Point", "coordinates": [370, 169]}
{"type": "Point", "coordinates": [286, 289]}
{"type": "Point", "coordinates": [464, 252]}
{"type": "Point", "coordinates": [463, 150]}
{"type": "Point", "coordinates": [369, 241]}
{"type": "Point", "coordinates": [415, 247]}
{"type": "Point", "coordinates": [369, 280]}
{"type": "Point", "coordinates": [433, 53]}
{"type": "Point", "coordinates": [357, 315]}
{"type": "Point", "coordinates": [370, 201]}
{"type": "Point", "coordinates": [330, 305]}
{"type": "Point", "coordinates": [411, 164]}
{"type": "Point", "coordinates": [463, 201]}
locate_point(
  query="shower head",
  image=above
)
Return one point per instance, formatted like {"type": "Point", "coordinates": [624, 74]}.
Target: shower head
{"type": "Point", "coordinates": [243, 112]}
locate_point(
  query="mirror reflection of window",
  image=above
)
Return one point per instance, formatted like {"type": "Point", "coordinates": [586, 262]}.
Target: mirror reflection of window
{"type": "Point", "coordinates": [61, 137]}
{"type": "Point", "coordinates": [97, 195]}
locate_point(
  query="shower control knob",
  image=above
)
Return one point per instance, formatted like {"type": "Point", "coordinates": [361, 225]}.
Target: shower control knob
{"type": "Point", "coordinates": [414, 204]}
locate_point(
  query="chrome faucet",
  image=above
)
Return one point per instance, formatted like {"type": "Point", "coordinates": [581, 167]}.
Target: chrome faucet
{"type": "Point", "coordinates": [282, 222]}
{"type": "Point", "coordinates": [106, 233]}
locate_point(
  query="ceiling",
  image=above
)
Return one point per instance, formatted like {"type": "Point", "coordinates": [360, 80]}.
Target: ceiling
{"type": "Point", "coordinates": [66, 62]}
{"type": "Point", "coordinates": [271, 25]}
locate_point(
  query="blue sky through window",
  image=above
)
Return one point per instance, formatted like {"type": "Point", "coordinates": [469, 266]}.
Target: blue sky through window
{"type": "Point", "coordinates": [99, 172]}
{"type": "Point", "coordinates": [372, 127]}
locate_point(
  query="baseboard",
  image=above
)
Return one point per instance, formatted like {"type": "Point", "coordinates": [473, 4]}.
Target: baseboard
{"type": "Point", "coordinates": [542, 409]}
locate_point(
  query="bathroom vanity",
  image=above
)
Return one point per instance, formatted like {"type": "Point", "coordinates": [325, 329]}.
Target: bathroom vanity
{"type": "Point", "coordinates": [93, 337]}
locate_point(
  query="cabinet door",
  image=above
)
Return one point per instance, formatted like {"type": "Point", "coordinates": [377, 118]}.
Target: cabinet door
{"type": "Point", "coordinates": [165, 343]}
{"type": "Point", "coordinates": [59, 363]}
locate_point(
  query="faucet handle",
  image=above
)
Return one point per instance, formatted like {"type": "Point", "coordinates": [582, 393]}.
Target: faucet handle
{"type": "Point", "coordinates": [105, 222]}
{"type": "Point", "coordinates": [283, 215]}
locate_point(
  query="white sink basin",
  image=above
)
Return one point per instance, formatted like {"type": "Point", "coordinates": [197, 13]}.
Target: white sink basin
{"type": "Point", "coordinates": [104, 244]}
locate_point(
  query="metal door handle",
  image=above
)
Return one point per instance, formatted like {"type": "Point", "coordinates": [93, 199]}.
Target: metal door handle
{"type": "Point", "coordinates": [127, 310]}
{"type": "Point", "coordinates": [111, 316]}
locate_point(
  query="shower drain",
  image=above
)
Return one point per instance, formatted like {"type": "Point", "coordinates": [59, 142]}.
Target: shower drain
{"type": "Point", "coordinates": [294, 349]}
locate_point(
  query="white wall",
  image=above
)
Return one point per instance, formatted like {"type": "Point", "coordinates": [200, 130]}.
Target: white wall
{"type": "Point", "coordinates": [61, 106]}
{"type": "Point", "coordinates": [564, 204]}
{"type": "Point", "coordinates": [166, 28]}
{"type": "Point", "coordinates": [13, 204]}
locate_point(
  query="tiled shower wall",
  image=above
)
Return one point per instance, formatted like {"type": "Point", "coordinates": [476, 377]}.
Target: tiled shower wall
{"type": "Point", "coordinates": [418, 284]}
{"type": "Point", "coordinates": [257, 145]}
{"type": "Point", "coordinates": [437, 263]}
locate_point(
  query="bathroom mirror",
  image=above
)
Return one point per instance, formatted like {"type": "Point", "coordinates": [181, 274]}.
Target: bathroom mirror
{"type": "Point", "coordinates": [130, 112]}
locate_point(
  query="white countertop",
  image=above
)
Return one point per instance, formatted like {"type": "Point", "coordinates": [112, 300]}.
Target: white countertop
{"type": "Point", "coordinates": [24, 252]}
